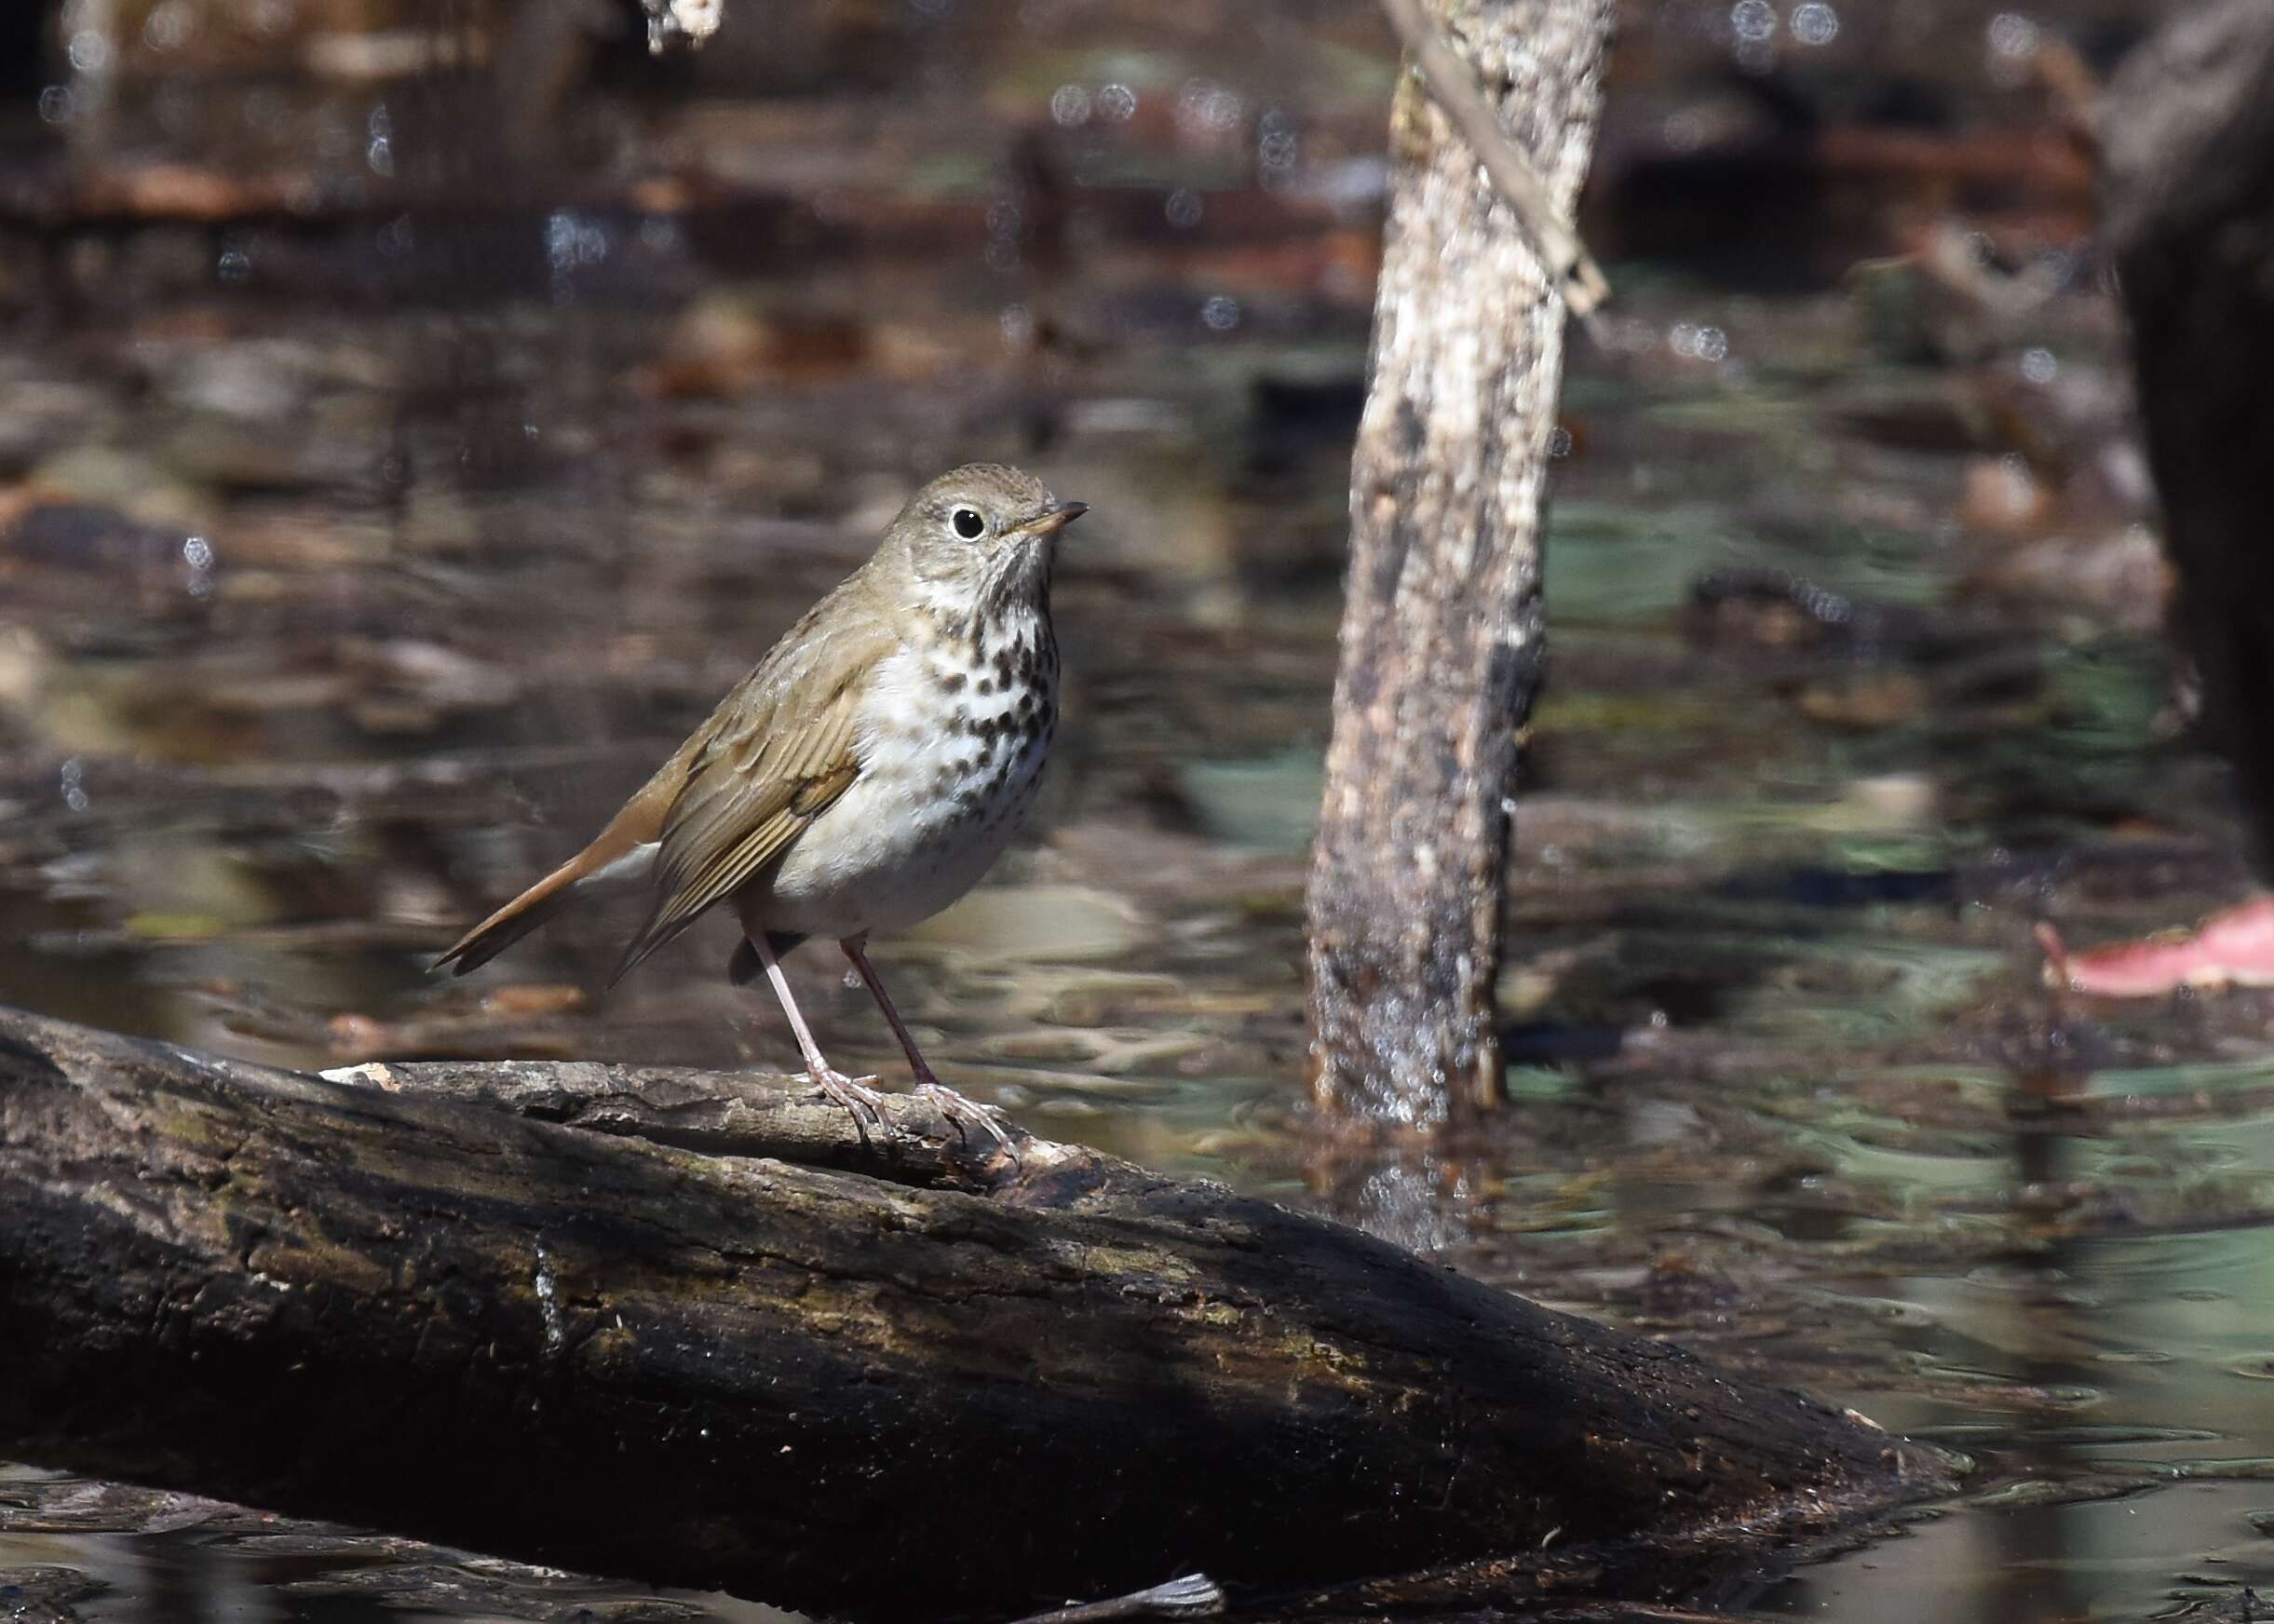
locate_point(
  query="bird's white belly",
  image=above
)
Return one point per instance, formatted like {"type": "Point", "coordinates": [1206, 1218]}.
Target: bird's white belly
{"type": "Point", "coordinates": [936, 803]}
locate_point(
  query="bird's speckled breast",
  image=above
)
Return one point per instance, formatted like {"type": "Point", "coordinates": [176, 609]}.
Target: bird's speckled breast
{"type": "Point", "coordinates": [952, 743]}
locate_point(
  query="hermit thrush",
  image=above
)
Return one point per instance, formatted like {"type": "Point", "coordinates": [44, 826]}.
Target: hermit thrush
{"type": "Point", "coordinates": [865, 773]}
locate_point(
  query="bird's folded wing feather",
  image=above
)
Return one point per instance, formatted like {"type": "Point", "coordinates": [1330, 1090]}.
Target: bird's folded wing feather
{"type": "Point", "coordinates": [761, 771]}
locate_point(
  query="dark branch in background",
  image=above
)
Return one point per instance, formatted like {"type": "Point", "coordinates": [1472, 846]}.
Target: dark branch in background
{"type": "Point", "coordinates": [2188, 127]}
{"type": "Point", "coordinates": [1454, 85]}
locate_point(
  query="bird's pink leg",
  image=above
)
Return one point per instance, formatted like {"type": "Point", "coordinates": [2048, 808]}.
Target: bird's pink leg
{"type": "Point", "coordinates": [853, 1093]}
{"type": "Point", "coordinates": [951, 1105]}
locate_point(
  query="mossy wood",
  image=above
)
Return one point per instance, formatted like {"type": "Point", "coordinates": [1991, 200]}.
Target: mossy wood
{"type": "Point", "coordinates": [691, 1329]}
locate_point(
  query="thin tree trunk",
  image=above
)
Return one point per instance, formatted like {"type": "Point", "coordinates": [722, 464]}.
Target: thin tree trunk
{"type": "Point", "coordinates": [1441, 632]}
{"type": "Point", "coordinates": [2189, 135]}
{"type": "Point", "coordinates": [685, 1328]}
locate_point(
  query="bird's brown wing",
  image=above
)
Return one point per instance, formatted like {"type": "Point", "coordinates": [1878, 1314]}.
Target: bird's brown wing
{"type": "Point", "coordinates": [777, 755]}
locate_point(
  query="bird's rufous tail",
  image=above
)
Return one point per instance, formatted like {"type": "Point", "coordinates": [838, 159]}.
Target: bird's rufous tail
{"type": "Point", "coordinates": [620, 851]}
{"type": "Point", "coordinates": [516, 919]}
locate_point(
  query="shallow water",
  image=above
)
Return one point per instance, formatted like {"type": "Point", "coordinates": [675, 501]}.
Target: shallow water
{"type": "Point", "coordinates": [325, 620]}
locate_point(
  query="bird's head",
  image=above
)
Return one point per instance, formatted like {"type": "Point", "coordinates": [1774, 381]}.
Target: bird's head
{"type": "Point", "coordinates": [981, 537]}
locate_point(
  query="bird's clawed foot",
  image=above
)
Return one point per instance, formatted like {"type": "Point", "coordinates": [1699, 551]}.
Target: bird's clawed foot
{"type": "Point", "coordinates": [962, 1113]}
{"type": "Point", "coordinates": [853, 1093]}
{"type": "Point", "coordinates": [867, 1107]}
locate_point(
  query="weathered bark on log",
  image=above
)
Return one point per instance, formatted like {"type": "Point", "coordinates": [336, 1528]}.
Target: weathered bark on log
{"type": "Point", "coordinates": [413, 1302]}
{"type": "Point", "coordinates": [1442, 626]}
{"type": "Point", "coordinates": [2188, 137]}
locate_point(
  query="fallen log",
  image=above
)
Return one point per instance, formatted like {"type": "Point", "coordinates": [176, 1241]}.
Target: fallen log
{"type": "Point", "coordinates": [687, 1329]}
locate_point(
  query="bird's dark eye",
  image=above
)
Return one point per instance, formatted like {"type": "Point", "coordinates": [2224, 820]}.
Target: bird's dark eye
{"type": "Point", "coordinates": [967, 523]}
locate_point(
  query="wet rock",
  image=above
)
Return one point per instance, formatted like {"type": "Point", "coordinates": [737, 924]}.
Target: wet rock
{"type": "Point", "coordinates": [41, 1502]}
{"type": "Point", "coordinates": [1927, 415]}
{"type": "Point", "coordinates": [2122, 575]}
{"type": "Point", "coordinates": [726, 344]}
{"type": "Point", "coordinates": [2004, 496]}
{"type": "Point", "coordinates": [524, 1000]}
{"type": "Point", "coordinates": [412, 684]}
{"type": "Point", "coordinates": [103, 540]}
{"type": "Point", "coordinates": [331, 444]}
{"type": "Point", "coordinates": [1011, 923]}
{"type": "Point", "coordinates": [45, 1595]}
{"type": "Point", "coordinates": [1865, 705]}
{"type": "Point", "coordinates": [1680, 1284]}
{"type": "Point", "coordinates": [480, 1588]}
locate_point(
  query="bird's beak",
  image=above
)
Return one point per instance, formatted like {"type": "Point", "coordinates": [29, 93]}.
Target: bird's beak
{"type": "Point", "coordinates": [1053, 518]}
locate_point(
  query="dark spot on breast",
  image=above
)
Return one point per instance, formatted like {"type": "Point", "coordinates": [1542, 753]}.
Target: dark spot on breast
{"type": "Point", "coordinates": [985, 685]}
{"type": "Point", "coordinates": [951, 681]}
